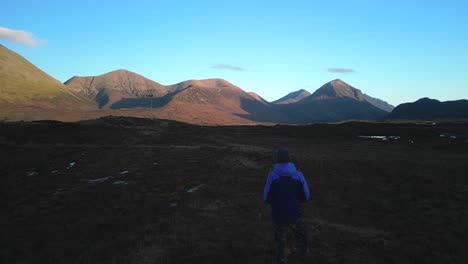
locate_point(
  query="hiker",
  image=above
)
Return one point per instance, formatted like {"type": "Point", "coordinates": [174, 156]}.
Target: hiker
{"type": "Point", "coordinates": [285, 190]}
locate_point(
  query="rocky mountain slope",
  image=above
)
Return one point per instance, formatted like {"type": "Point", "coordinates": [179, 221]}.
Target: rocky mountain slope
{"type": "Point", "coordinates": [258, 97]}
{"type": "Point", "coordinates": [381, 104]}
{"type": "Point", "coordinates": [109, 88]}
{"type": "Point", "coordinates": [212, 101]}
{"type": "Point", "coordinates": [334, 101]}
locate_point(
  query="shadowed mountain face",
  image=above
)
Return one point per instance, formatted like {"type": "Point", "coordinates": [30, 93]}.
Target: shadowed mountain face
{"type": "Point", "coordinates": [292, 97]}
{"type": "Point", "coordinates": [23, 85]}
{"type": "Point", "coordinates": [379, 103]}
{"type": "Point", "coordinates": [334, 101]}
{"type": "Point", "coordinates": [112, 87]}
{"type": "Point", "coordinates": [430, 109]}
{"type": "Point", "coordinates": [258, 97]}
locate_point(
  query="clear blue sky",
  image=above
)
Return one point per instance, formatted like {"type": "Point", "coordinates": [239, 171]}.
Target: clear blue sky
{"type": "Point", "coordinates": [399, 51]}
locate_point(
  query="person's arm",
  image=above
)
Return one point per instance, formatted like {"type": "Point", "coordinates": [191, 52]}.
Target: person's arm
{"type": "Point", "coordinates": [266, 190]}
{"type": "Point", "coordinates": [305, 187]}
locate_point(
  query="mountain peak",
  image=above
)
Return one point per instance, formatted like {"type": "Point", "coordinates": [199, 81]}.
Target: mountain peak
{"type": "Point", "coordinates": [337, 81]}
{"type": "Point", "coordinates": [215, 82]}
{"type": "Point", "coordinates": [111, 87]}
{"type": "Point", "coordinates": [206, 83]}
{"type": "Point", "coordinates": [292, 97]}
{"type": "Point", "coordinates": [427, 100]}
{"type": "Point", "coordinates": [337, 89]}
{"type": "Point", "coordinates": [339, 84]}
{"type": "Point", "coordinates": [120, 71]}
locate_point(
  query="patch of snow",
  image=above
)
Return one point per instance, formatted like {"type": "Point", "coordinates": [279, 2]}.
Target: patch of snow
{"type": "Point", "coordinates": [54, 171]}
{"type": "Point", "coordinates": [99, 180]}
{"type": "Point", "coordinates": [58, 191]}
{"type": "Point", "coordinates": [125, 172]}
{"type": "Point", "coordinates": [374, 137]}
{"type": "Point", "coordinates": [194, 188]}
{"type": "Point", "coordinates": [32, 173]}
{"type": "Point", "coordinates": [451, 135]}
{"type": "Point", "coordinates": [383, 138]}
{"type": "Point", "coordinates": [120, 183]}
{"type": "Point", "coordinates": [173, 204]}
{"type": "Point", "coordinates": [71, 164]}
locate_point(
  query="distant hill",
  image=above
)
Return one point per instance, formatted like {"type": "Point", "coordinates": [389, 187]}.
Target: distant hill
{"type": "Point", "coordinates": [381, 104]}
{"type": "Point", "coordinates": [334, 101]}
{"type": "Point", "coordinates": [112, 87]}
{"type": "Point", "coordinates": [292, 97]}
{"type": "Point", "coordinates": [431, 109]}
{"type": "Point", "coordinates": [26, 92]}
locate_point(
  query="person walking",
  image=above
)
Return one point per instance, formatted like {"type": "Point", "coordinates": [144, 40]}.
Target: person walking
{"type": "Point", "coordinates": [285, 190]}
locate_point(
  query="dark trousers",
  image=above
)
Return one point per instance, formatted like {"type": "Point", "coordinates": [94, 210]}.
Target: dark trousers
{"type": "Point", "coordinates": [300, 235]}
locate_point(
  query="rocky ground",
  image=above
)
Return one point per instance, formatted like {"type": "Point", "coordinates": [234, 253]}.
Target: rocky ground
{"type": "Point", "coordinates": [126, 190]}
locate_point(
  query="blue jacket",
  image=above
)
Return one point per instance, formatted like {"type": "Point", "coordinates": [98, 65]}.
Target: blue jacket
{"type": "Point", "coordinates": [285, 189]}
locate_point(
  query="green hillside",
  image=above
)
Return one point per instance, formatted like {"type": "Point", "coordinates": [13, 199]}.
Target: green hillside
{"type": "Point", "coordinates": [24, 85]}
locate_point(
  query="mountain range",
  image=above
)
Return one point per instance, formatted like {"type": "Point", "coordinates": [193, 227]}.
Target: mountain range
{"type": "Point", "coordinates": [221, 102]}
{"type": "Point", "coordinates": [27, 93]}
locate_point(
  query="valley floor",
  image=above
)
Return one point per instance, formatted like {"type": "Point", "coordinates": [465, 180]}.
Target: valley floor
{"type": "Point", "coordinates": [127, 190]}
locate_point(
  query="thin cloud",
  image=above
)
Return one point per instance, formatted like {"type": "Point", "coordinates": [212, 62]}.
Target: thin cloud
{"type": "Point", "coordinates": [18, 36]}
{"type": "Point", "coordinates": [228, 67]}
{"type": "Point", "coordinates": [341, 70]}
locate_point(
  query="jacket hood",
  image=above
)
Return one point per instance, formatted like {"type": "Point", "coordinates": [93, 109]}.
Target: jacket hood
{"type": "Point", "coordinates": [284, 168]}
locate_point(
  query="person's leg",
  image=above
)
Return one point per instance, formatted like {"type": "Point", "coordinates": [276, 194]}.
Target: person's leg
{"type": "Point", "coordinates": [300, 235]}
{"type": "Point", "coordinates": [280, 243]}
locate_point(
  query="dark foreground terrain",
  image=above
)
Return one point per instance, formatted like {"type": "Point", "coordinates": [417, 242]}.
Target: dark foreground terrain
{"type": "Point", "coordinates": [124, 190]}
